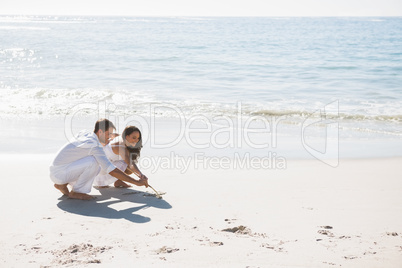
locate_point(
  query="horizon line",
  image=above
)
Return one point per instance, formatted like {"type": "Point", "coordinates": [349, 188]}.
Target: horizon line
{"type": "Point", "coordinates": [209, 16]}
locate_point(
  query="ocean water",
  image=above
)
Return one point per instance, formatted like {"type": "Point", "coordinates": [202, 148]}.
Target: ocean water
{"type": "Point", "coordinates": [269, 67]}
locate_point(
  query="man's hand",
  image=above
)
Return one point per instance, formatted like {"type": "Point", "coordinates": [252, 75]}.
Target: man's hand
{"type": "Point", "coordinates": [118, 174]}
{"type": "Point", "coordinates": [144, 180]}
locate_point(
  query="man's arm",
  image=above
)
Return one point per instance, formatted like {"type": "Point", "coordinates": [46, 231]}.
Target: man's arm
{"type": "Point", "coordinates": [120, 175]}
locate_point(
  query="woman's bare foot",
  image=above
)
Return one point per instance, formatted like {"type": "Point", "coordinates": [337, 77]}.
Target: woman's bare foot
{"type": "Point", "coordinates": [80, 196]}
{"type": "Point", "coordinates": [121, 184]}
{"type": "Point", "coordinates": [62, 188]}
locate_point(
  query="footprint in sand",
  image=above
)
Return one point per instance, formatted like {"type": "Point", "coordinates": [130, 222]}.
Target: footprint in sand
{"type": "Point", "coordinates": [214, 244]}
{"type": "Point", "coordinates": [78, 254]}
{"type": "Point", "coordinates": [329, 263]}
{"type": "Point", "coordinates": [326, 227]}
{"type": "Point", "coordinates": [325, 232]}
{"type": "Point", "coordinates": [276, 248]}
{"type": "Point", "coordinates": [239, 230]}
{"type": "Point", "coordinates": [230, 220]}
{"type": "Point", "coordinates": [350, 257]}
{"type": "Point", "coordinates": [392, 234]}
{"type": "Point", "coordinates": [165, 249]}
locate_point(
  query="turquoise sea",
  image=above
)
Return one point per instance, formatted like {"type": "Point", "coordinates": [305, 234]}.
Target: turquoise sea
{"type": "Point", "coordinates": [270, 67]}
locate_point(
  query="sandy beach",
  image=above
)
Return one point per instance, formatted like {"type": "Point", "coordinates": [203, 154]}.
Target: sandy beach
{"type": "Point", "coordinates": [274, 141]}
{"type": "Point", "coordinates": [307, 215]}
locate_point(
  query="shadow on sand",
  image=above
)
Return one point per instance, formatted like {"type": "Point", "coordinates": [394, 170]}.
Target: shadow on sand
{"type": "Point", "coordinates": [100, 206]}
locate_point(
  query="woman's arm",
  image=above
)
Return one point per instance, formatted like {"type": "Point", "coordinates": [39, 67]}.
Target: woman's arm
{"type": "Point", "coordinates": [134, 169]}
{"type": "Point", "coordinates": [125, 155]}
{"type": "Point", "coordinates": [122, 151]}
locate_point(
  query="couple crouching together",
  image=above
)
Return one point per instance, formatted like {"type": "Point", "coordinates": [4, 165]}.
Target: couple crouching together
{"type": "Point", "coordinates": [91, 160]}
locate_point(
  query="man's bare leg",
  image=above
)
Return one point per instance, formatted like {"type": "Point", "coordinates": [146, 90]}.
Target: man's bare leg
{"type": "Point", "coordinates": [80, 196]}
{"type": "Point", "coordinates": [62, 188]}
{"type": "Point", "coordinates": [121, 184]}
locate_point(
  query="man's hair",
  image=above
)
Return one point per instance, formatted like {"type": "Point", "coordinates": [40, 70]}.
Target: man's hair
{"type": "Point", "coordinates": [104, 125]}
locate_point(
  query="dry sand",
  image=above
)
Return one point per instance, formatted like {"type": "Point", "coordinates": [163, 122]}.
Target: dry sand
{"type": "Point", "coordinates": [308, 215]}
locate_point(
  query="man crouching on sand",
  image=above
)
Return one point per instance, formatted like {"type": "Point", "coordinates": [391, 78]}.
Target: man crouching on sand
{"type": "Point", "coordinates": [79, 162]}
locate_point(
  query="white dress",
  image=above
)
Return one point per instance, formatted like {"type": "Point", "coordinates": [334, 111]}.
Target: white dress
{"type": "Point", "coordinates": [104, 178]}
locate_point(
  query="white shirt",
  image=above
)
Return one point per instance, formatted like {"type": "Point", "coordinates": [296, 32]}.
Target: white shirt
{"type": "Point", "coordinates": [86, 144]}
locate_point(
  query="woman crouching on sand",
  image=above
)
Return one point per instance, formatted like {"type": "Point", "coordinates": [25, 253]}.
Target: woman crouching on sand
{"type": "Point", "coordinates": [123, 154]}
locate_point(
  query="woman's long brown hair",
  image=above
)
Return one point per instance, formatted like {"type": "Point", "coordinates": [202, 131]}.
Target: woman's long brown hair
{"type": "Point", "coordinates": [136, 151]}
